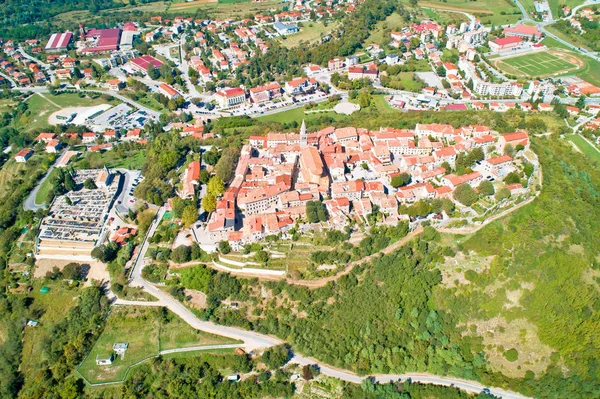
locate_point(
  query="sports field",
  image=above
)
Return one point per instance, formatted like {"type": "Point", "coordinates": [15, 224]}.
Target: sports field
{"type": "Point", "coordinates": [541, 64]}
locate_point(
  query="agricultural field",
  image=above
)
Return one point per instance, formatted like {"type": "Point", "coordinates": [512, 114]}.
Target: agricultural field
{"type": "Point", "coordinates": [147, 331]}
{"type": "Point", "coordinates": [311, 32]}
{"type": "Point", "coordinates": [488, 11]}
{"type": "Point", "coordinates": [542, 64]}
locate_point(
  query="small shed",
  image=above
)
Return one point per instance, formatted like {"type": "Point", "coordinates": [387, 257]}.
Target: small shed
{"type": "Point", "coordinates": [44, 290]}
{"type": "Point", "coordinates": [233, 378]}
{"type": "Point", "coordinates": [103, 360]}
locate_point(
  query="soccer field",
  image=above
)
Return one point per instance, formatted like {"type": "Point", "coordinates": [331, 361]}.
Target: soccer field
{"type": "Point", "coordinates": [539, 64]}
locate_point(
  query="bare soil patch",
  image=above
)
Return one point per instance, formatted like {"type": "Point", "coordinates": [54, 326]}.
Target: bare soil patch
{"type": "Point", "coordinates": [97, 270]}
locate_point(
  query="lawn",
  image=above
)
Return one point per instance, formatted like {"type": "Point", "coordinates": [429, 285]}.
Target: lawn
{"type": "Point", "coordinates": [585, 147]}
{"type": "Point", "coordinates": [297, 114]}
{"type": "Point", "coordinates": [116, 159]}
{"type": "Point", "coordinates": [311, 32]}
{"type": "Point", "coordinates": [541, 64]}
{"type": "Point", "coordinates": [488, 11]}
{"type": "Point", "coordinates": [147, 331]}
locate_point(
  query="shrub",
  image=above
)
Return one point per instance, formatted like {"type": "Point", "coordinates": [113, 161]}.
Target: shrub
{"type": "Point", "coordinates": [512, 355]}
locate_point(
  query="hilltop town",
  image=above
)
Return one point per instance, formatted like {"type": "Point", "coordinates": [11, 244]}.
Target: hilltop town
{"type": "Point", "coordinates": [299, 199]}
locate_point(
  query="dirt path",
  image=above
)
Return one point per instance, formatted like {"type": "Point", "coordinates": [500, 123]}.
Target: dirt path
{"type": "Point", "coordinates": [323, 281]}
{"type": "Point", "coordinates": [50, 101]}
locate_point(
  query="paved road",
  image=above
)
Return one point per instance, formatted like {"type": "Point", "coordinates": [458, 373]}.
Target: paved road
{"type": "Point", "coordinates": [469, 386]}
{"type": "Point", "coordinates": [184, 67]}
{"type": "Point", "coordinates": [10, 80]}
{"type": "Point", "coordinates": [251, 339]}
{"type": "Point", "coordinates": [32, 59]}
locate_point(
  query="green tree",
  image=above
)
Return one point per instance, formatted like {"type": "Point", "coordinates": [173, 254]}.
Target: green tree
{"type": "Point", "coordinates": [209, 203]}
{"type": "Point", "coordinates": [465, 194]}
{"type": "Point", "coordinates": [189, 216]}
{"type": "Point", "coordinates": [580, 102]}
{"type": "Point", "coordinates": [485, 188]}
{"type": "Point", "coordinates": [216, 186]}
{"type": "Point", "coordinates": [512, 178]}
{"type": "Point", "coordinates": [276, 356]}
{"type": "Point", "coordinates": [73, 271]}
{"type": "Point", "coordinates": [89, 184]}
{"type": "Point", "coordinates": [440, 70]}
{"type": "Point", "coordinates": [181, 254]}
{"type": "Point", "coordinates": [224, 247]}
{"type": "Point", "coordinates": [400, 180]}
{"type": "Point", "coordinates": [502, 194]}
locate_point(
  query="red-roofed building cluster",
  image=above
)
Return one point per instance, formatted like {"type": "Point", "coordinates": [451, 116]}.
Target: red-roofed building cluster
{"type": "Point", "coordinates": [351, 171]}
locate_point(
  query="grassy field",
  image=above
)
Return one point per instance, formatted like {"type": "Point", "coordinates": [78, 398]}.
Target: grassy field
{"type": "Point", "coordinates": [445, 17]}
{"type": "Point", "coordinates": [540, 64]}
{"type": "Point", "coordinates": [311, 32]}
{"type": "Point", "coordinates": [381, 33]}
{"type": "Point", "coordinates": [404, 81]}
{"type": "Point", "coordinates": [591, 68]}
{"type": "Point", "coordinates": [228, 9]}
{"type": "Point", "coordinates": [147, 332]}
{"type": "Point", "coordinates": [6, 105]}
{"type": "Point", "coordinates": [488, 11]}
{"type": "Point", "coordinates": [41, 106]}
{"type": "Point", "coordinates": [45, 188]}
{"type": "Point", "coordinates": [113, 159]}
{"type": "Point", "coordinates": [585, 147]}
{"type": "Point", "coordinates": [52, 307]}
{"type": "Point", "coordinates": [556, 5]}
{"type": "Point", "coordinates": [297, 114]}
{"type": "Point", "coordinates": [13, 170]}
